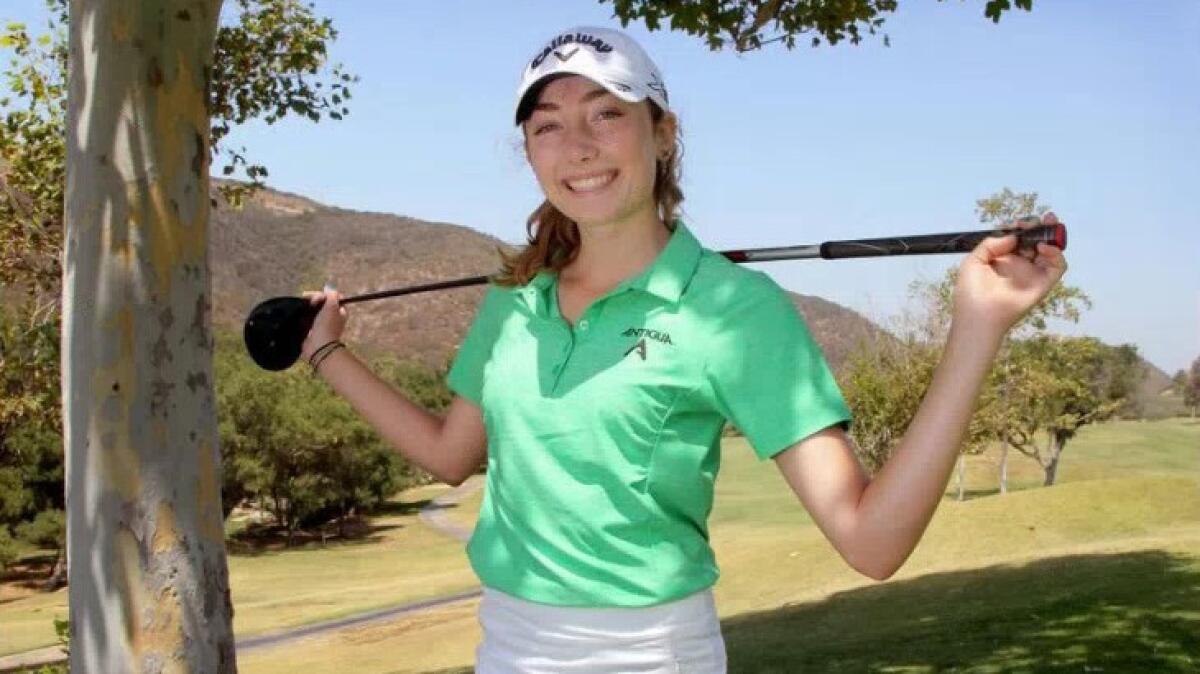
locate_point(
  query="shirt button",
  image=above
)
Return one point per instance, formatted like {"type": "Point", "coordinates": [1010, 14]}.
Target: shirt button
{"type": "Point", "coordinates": [583, 325]}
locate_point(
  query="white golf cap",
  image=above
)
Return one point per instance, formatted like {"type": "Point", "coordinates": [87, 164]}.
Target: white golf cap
{"type": "Point", "coordinates": [608, 57]}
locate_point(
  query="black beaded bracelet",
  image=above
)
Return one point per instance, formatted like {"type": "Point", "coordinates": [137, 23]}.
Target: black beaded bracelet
{"type": "Point", "coordinates": [320, 349]}
{"type": "Point", "coordinates": [317, 364]}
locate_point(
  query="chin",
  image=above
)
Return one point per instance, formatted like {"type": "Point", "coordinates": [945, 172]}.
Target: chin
{"type": "Point", "coordinates": [589, 215]}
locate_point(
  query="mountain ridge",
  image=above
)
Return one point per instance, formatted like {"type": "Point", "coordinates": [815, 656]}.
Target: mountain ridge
{"type": "Point", "coordinates": [281, 243]}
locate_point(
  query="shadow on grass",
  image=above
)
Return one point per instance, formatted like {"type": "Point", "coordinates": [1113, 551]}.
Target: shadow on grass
{"type": "Point", "coordinates": [29, 572]}
{"type": "Point", "coordinates": [261, 539]}
{"type": "Point", "coordinates": [1131, 612]}
{"type": "Point", "coordinates": [397, 508]}
{"type": "Point", "coordinates": [972, 494]}
{"type": "Point", "coordinates": [273, 539]}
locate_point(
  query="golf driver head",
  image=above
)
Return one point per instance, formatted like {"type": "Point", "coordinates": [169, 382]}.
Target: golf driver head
{"type": "Point", "coordinates": [275, 331]}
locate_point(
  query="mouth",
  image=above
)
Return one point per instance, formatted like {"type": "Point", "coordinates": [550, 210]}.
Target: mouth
{"type": "Point", "coordinates": [590, 183]}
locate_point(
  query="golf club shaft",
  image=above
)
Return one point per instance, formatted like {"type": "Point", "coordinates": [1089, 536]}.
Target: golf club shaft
{"type": "Point", "coordinates": [921, 244]}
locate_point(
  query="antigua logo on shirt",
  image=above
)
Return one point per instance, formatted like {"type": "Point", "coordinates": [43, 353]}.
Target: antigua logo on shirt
{"type": "Point", "coordinates": [643, 334]}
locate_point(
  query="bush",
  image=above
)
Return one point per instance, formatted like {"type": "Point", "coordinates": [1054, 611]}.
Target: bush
{"type": "Point", "coordinates": [288, 441]}
{"type": "Point", "coordinates": [47, 530]}
{"type": "Point", "coordinates": [8, 548]}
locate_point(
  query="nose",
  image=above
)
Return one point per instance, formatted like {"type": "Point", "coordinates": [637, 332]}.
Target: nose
{"type": "Point", "coordinates": [581, 143]}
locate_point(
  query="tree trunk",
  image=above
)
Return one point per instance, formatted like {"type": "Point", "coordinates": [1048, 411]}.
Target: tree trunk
{"type": "Point", "coordinates": [1051, 467]}
{"type": "Point", "coordinates": [58, 575]}
{"type": "Point", "coordinates": [1003, 467]}
{"type": "Point", "coordinates": [149, 589]}
{"type": "Point", "coordinates": [961, 464]}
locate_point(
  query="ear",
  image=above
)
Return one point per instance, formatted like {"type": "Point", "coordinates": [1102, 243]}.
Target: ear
{"type": "Point", "coordinates": [664, 135]}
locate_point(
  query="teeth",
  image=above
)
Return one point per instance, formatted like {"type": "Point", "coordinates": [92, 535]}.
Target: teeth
{"type": "Point", "coordinates": [592, 183]}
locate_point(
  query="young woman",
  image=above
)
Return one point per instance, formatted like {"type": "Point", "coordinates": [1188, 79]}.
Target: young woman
{"type": "Point", "coordinates": [602, 366]}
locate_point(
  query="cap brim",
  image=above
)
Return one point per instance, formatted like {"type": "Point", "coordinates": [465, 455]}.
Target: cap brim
{"type": "Point", "coordinates": [529, 96]}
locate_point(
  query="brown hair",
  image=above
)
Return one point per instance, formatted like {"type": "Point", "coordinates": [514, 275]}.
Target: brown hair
{"type": "Point", "coordinates": [553, 238]}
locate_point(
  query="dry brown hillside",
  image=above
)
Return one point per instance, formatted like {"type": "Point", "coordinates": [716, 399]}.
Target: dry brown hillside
{"type": "Point", "coordinates": [280, 244]}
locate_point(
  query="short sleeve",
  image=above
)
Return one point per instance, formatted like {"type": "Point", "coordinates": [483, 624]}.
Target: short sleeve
{"type": "Point", "coordinates": [767, 374]}
{"type": "Point", "coordinates": [466, 373]}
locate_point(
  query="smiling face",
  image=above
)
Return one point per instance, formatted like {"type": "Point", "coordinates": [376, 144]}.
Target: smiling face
{"type": "Point", "coordinates": [594, 154]}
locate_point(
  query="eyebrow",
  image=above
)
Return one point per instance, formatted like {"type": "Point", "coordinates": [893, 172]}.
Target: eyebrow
{"type": "Point", "coordinates": [589, 96]}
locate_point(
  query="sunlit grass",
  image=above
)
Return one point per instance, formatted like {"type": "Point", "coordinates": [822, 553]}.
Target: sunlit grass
{"type": "Point", "coordinates": [1125, 489]}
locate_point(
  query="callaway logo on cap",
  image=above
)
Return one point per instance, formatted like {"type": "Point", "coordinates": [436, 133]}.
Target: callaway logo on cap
{"type": "Point", "coordinates": [607, 57]}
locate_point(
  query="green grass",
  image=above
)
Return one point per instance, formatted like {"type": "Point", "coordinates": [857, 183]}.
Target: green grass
{"type": "Point", "coordinates": [1103, 564]}
{"type": "Point", "coordinates": [1122, 449]}
{"type": "Point", "coordinates": [402, 560]}
{"type": "Point", "coordinates": [993, 581]}
{"type": "Point", "coordinates": [1131, 611]}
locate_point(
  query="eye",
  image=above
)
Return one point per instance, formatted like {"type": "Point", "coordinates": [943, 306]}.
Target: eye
{"type": "Point", "coordinates": [610, 113]}
{"type": "Point", "coordinates": [544, 127]}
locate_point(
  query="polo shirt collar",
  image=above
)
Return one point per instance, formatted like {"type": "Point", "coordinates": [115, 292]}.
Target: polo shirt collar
{"type": "Point", "coordinates": [666, 278]}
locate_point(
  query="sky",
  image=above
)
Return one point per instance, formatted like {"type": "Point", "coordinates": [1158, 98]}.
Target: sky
{"type": "Point", "coordinates": [1093, 105]}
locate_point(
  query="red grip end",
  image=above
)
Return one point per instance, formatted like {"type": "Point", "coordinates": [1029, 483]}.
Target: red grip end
{"type": "Point", "coordinates": [1060, 236]}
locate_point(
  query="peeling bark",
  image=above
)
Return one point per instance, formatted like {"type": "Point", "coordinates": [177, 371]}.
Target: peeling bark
{"type": "Point", "coordinates": [149, 589]}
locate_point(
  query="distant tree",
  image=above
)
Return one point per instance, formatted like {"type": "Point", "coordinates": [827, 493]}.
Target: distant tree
{"type": "Point", "coordinates": [48, 530]}
{"type": "Point", "coordinates": [746, 25]}
{"type": "Point", "coordinates": [1123, 371]}
{"type": "Point", "coordinates": [883, 383]}
{"type": "Point", "coordinates": [1191, 390]}
{"type": "Point", "coordinates": [8, 548]}
{"type": "Point", "coordinates": [1063, 302]}
{"type": "Point", "coordinates": [31, 447]}
{"type": "Point", "coordinates": [1179, 381]}
{"type": "Point", "coordinates": [1059, 385]}
{"type": "Point", "coordinates": [994, 414]}
{"type": "Point", "coordinates": [289, 443]}
{"type": "Point", "coordinates": [885, 380]}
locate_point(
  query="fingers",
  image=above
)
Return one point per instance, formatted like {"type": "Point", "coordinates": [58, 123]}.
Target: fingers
{"type": "Point", "coordinates": [317, 297]}
{"type": "Point", "coordinates": [1051, 259]}
{"type": "Point", "coordinates": [992, 247]}
{"type": "Point", "coordinates": [1027, 222]}
{"type": "Point", "coordinates": [1043, 255]}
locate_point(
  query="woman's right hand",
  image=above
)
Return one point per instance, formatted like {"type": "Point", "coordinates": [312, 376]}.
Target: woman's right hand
{"type": "Point", "coordinates": [329, 323]}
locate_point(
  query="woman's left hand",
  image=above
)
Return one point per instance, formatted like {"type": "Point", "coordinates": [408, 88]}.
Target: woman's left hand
{"type": "Point", "coordinates": [997, 283]}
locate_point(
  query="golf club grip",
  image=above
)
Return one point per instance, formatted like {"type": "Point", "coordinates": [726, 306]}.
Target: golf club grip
{"type": "Point", "coordinates": [958, 242]}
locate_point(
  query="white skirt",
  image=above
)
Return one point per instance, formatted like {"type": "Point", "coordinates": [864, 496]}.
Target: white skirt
{"type": "Point", "coordinates": [522, 637]}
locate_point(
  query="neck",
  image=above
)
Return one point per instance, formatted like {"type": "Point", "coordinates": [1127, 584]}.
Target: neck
{"type": "Point", "coordinates": [612, 252]}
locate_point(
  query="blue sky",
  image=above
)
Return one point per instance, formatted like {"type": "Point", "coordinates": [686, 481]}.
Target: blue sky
{"type": "Point", "coordinates": [1094, 105]}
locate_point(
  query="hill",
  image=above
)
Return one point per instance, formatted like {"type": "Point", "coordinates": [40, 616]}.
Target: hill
{"type": "Point", "coordinates": [281, 244]}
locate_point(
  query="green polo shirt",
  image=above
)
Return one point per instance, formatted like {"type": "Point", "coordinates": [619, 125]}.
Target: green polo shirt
{"type": "Point", "coordinates": [604, 439]}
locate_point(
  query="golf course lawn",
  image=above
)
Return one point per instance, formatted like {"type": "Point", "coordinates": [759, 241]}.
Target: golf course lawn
{"type": "Point", "coordinates": [402, 560]}
{"type": "Point", "coordinates": [1099, 573]}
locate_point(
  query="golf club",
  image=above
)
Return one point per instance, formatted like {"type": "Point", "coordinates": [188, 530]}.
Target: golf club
{"type": "Point", "coordinates": [276, 328]}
